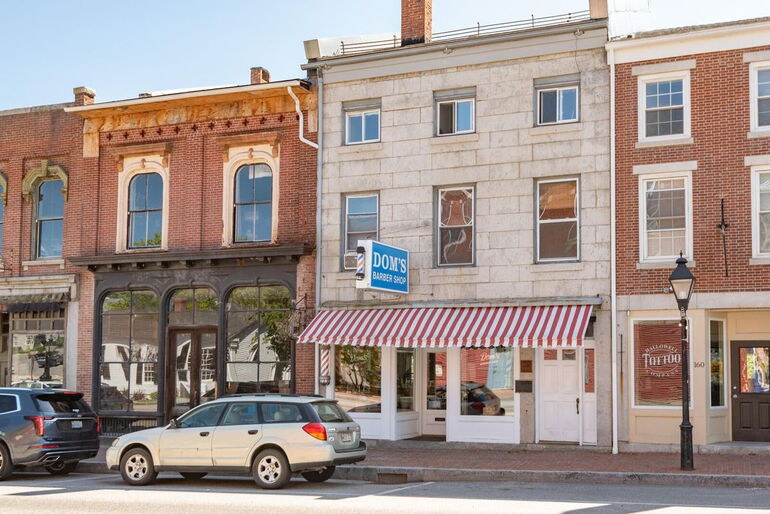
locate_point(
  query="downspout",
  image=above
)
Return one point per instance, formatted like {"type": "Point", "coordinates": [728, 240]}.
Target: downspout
{"type": "Point", "coordinates": [319, 161]}
{"type": "Point", "coordinates": [613, 259]}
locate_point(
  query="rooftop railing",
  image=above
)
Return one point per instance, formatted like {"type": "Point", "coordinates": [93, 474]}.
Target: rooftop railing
{"type": "Point", "coordinates": [470, 32]}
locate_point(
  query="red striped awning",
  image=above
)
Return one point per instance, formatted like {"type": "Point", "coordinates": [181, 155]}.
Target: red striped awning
{"type": "Point", "coordinates": [555, 325]}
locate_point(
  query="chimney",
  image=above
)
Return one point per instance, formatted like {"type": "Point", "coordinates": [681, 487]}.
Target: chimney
{"type": "Point", "coordinates": [598, 9]}
{"type": "Point", "coordinates": [83, 95]}
{"type": "Point", "coordinates": [416, 21]}
{"type": "Point", "coordinates": [259, 75]}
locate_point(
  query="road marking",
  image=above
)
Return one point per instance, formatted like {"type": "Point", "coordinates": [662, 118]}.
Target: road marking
{"type": "Point", "coordinates": [421, 484]}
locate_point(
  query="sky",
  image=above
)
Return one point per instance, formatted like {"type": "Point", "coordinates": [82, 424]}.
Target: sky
{"type": "Point", "coordinates": [123, 48]}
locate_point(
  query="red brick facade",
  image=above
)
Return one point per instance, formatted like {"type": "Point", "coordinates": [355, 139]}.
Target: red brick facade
{"type": "Point", "coordinates": [719, 93]}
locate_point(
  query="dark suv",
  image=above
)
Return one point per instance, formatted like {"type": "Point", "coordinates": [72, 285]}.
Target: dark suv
{"type": "Point", "coordinates": [48, 428]}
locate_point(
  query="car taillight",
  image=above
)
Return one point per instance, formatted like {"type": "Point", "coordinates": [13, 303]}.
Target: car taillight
{"type": "Point", "coordinates": [98, 425]}
{"type": "Point", "coordinates": [316, 430]}
{"type": "Point", "coordinates": [39, 422]}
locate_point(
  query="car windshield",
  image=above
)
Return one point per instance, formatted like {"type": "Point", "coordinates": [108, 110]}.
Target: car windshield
{"type": "Point", "coordinates": [330, 412]}
{"type": "Point", "coordinates": [62, 403]}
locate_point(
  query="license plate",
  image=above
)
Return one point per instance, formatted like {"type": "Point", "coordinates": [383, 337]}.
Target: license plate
{"type": "Point", "coordinates": [77, 424]}
{"type": "Point", "coordinates": [346, 437]}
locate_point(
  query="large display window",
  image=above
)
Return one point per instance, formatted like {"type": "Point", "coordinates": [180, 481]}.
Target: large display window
{"type": "Point", "coordinates": [657, 363]}
{"type": "Point", "coordinates": [486, 382]}
{"type": "Point", "coordinates": [357, 379]}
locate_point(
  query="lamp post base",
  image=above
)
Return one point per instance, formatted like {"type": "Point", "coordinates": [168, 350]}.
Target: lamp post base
{"type": "Point", "coordinates": [685, 451]}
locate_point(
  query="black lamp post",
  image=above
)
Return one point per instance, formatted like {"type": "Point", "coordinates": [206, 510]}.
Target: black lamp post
{"type": "Point", "coordinates": [682, 284]}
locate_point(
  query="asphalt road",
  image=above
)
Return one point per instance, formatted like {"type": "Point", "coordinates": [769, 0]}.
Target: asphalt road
{"type": "Point", "coordinates": [32, 492]}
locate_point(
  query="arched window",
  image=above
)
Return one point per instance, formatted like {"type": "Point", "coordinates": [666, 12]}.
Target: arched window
{"type": "Point", "coordinates": [253, 203]}
{"type": "Point", "coordinates": [145, 211]}
{"type": "Point", "coordinates": [49, 219]}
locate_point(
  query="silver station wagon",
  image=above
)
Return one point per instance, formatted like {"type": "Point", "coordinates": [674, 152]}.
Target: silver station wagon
{"type": "Point", "coordinates": [269, 436]}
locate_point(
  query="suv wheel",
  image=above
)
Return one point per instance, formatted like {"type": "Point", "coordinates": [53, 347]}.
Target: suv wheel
{"type": "Point", "coordinates": [271, 469]}
{"type": "Point", "coordinates": [62, 468]}
{"type": "Point", "coordinates": [319, 476]}
{"type": "Point", "coordinates": [137, 468]}
{"type": "Point", "coordinates": [6, 466]}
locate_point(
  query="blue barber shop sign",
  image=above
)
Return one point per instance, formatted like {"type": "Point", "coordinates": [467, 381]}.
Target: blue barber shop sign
{"type": "Point", "coordinates": [382, 267]}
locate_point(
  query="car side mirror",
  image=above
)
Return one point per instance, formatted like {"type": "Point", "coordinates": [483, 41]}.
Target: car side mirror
{"type": "Point", "coordinates": [174, 423]}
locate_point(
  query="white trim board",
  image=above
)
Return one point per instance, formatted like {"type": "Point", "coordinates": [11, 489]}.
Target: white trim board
{"type": "Point", "coordinates": [665, 167]}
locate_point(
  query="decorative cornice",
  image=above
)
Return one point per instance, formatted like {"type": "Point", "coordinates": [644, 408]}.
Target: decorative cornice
{"type": "Point", "coordinates": [254, 139]}
{"type": "Point", "coordinates": [162, 149]}
{"type": "Point", "coordinates": [43, 172]}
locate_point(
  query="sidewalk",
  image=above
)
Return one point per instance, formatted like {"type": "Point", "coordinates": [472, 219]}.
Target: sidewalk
{"type": "Point", "coordinates": [397, 465]}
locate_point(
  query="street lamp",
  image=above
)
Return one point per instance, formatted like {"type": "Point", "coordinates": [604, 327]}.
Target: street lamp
{"type": "Point", "coordinates": [682, 284]}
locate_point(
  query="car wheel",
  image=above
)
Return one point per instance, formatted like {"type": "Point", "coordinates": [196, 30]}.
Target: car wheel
{"type": "Point", "coordinates": [193, 476]}
{"type": "Point", "coordinates": [62, 468]}
{"type": "Point", "coordinates": [319, 476]}
{"type": "Point", "coordinates": [271, 469]}
{"type": "Point", "coordinates": [137, 468]}
{"type": "Point", "coordinates": [6, 466]}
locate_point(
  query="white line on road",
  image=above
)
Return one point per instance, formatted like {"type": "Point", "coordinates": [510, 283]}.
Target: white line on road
{"type": "Point", "coordinates": [422, 484]}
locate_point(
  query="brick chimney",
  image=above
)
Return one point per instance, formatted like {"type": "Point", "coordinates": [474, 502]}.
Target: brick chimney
{"type": "Point", "coordinates": [416, 21]}
{"type": "Point", "coordinates": [84, 95]}
{"type": "Point", "coordinates": [259, 75]}
{"type": "Point", "coordinates": [598, 9]}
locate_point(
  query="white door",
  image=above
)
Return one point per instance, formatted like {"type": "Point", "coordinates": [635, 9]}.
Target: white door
{"type": "Point", "coordinates": [559, 395]}
{"type": "Point", "coordinates": [435, 388]}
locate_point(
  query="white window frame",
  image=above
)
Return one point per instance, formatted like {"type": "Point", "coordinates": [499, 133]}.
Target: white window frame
{"type": "Point", "coordinates": [455, 101]}
{"type": "Point", "coordinates": [558, 90]}
{"type": "Point", "coordinates": [538, 221]}
{"type": "Point", "coordinates": [345, 250]}
{"type": "Point", "coordinates": [363, 113]}
{"type": "Point", "coordinates": [642, 82]}
{"type": "Point", "coordinates": [438, 227]}
{"type": "Point", "coordinates": [756, 171]}
{"type": "Point", "coordinates": [687, 176]}
{"type": "Point", "coordinates": [725, 366]}
{"type": "Point", "coordinates": [132, 166]}
{"type": "Point", "coordinates": [754, 69]}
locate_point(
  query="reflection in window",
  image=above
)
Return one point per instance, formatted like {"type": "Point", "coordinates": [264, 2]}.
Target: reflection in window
{"type": "Point", "coordinates": [49, 219]}
{"type": "Point", "coordinates": [436, 385]}
{"type": "Point", "coordinates": [665, 219]}
{"type": "Point", "coordinates": [557, 220]}
{"type": "Point", "coordinates": [193, 307]}
{"type": "Point", "coordinates": [206, 416]}
{"type": "Point", "coordinates": [145, 211]}
{"type": "Point", "coordinates": [664, 108]}
{"type": "Point", "coordinates": [260, 344]}
{"type": "Point", "coordinates": [717, 352]}
{"type": "Point", "coordinates": [557, 105]}
{"type": "Point", "coordinates": [360, 222]}
{"type": "Point", "coordinates": [762, 221]}
{"type": "Point", "coordinates": [129, 352]}
{"type": "Point", "coordinates": [357, 378]}
{"type": "Point", "coordinates": [455, 227]}
{"type": "Point", "coordinates": [253, 203]}
{"type": "Point", "coordinates": [404, 380]}
{"type": "Point", "coordinates": [486, 382]}
{"type": "Point", "coordinates": [37, 349]}
{"type": "Point", "coordinates": [763, 97]}
{"type": "Point", "coordinates": [755, 370]}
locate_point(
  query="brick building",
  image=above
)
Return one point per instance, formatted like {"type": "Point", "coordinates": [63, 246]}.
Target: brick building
{"type": "Point", "coordinates": [692, 150]}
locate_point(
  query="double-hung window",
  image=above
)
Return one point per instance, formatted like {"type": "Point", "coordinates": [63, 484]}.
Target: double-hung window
{"type": "Point", "coordinates": [759, 81]}
{"type": "Point", "coordinates": [557, 100]}
{"type": "Point", "coordinates": [145, 211]}
{"type": "Point", "coordinates": [761, 211]}
{"type": "Point", "coordinates": [253, 207]}
{"type": "Point", "coordinates": [455, 111]}
{"type": "Point", "coordinates": [49, 219]}
{"type": "Point", "coordinates": [455, 227]}
{"type": "Point", "coordinates": [666, 218]}
{"type": "Point", "coordinates": [362, 121]}
{"type": "Point", "coordinates": [361, 222]}
{"type": "Point", "coordinates": [664, 106]}
{"type": "Point", "coordinates": [558, 227]}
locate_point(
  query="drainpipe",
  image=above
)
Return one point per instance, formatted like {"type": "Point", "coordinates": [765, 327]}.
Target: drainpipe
{"type": "Point", "coordinates": [318, 225]}
{"type": "Point", "coordinates": [613, 260]}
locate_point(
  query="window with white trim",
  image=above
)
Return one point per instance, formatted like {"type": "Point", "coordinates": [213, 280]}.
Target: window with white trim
{"type": "Point", "coordinates": [558, 227]}
{"type": "Point", "coordinates": [666, 219]}
{"type": "Point", "coordinates": [455, 227]}
{"type": "Point", "coordinates": [253, 205]}
{"type": "Point", "coordinates": [49, 219]}
{"type": "Point", "coordinates": [145, 211]}
{"type": "Point", "coordinates": [455, 111]}
{"type": "Point", "coordinates": [759, 82]}
{"type": "Point", "coordinates": [362, 127]}
{"type": "Point", "coordinates": [664, 106]}
{"type": "Point", "coordinates": [557, 105]}
{"type": "Point", "coordinates": [760, 185]}
{"type": "Point", "coordinates": [361, 222]}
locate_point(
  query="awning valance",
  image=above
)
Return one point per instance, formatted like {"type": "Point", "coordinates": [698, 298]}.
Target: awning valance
{"type": "Point", "coordinates": [33, 302]}
{"type": "Point", "coordinates": [554, 325]}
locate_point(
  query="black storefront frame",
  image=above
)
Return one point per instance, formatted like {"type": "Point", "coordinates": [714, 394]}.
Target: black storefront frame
{"type": "Point", "coordinates": [222, 279]}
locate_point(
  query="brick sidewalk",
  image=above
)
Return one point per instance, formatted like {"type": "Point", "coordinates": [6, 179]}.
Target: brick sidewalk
{"type": "Point", "coordinates": [555, 460]}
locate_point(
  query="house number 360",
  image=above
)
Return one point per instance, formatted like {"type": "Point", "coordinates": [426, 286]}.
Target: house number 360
{"type": "Point", "coordinates": [699, 364]}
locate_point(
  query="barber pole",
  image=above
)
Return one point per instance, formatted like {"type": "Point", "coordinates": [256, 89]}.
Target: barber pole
{"type": "Point", "coordinates": [360, 260]}
{"type": "Point", "coordinates": [324, 375]}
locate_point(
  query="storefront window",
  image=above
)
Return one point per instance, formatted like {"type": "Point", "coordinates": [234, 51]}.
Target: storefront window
{"type": "Point", "coordinates": [657, 363]}
{"type": "Point", "coordinates": [259, 340]}
{"type": "Point", "coordinates": [717, 346]}
{"type": "Point", "coordinates": [357, 375]}
{"type": "Point", "coordinates": [129, 352]}
{"type": "Point", "coordinates": [486, 382]}
{"type": "Point", "coordinates": [436, 386]}
{"type": "Point", "coordinates": [37, 346]}
{"type": "Point", "coordinates": [404, 380]}
{"type": "Point", "coordinates": [193, 307]}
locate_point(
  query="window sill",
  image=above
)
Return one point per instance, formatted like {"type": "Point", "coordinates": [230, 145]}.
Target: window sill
{"type": "Point", "coordinates": [454, 138]}
{"type": "Point", "coordinates": [759, 261]}
{"type": "Point", "coordinates": [665, 142]}
{"type": "Point", "coordinates": [43, 262]}
{"type": "Point", "coordinates": [663, 264]}
{"type": "Point", "coordinates": [141, 250]}
{"type": "Point", "coordinates": [360, 147]}
{"type": "Point", "coordinates": [551, 267]}
{"type": "Point", "coordinates": [556, 128]}
{"type": "Point", "coordinates": [758, 133]}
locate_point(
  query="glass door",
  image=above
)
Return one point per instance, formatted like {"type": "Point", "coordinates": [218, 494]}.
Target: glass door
{"type": "Point", "coordinates": [434, 402]}
{"type": "Point", "coordinates": [191, 371]}
{"type": "Point", "coordinates": [751, 391]}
